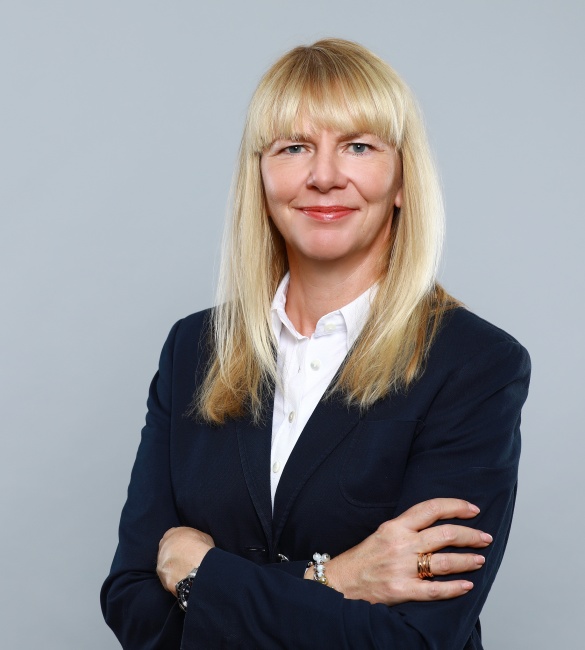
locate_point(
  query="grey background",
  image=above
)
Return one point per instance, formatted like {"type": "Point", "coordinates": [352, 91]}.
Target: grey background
{"type": "Point", "coordinates": [119, 127]}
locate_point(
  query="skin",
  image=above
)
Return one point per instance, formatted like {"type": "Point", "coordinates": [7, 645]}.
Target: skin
{"type": "Point", "coordinates": [331, 262]}
{"type": "Point", "coordinates": [332, 196]}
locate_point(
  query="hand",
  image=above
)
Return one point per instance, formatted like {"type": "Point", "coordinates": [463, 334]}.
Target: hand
{"type": "Point", "coordinates": [383, 568]}
{"type": "Point", "coordinates": [179, 551]}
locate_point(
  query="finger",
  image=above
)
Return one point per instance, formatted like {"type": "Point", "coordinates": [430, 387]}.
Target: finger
{"type": "Point", "coordinates": [429, 590]}
{"type": "Point", "coordinates": [438, 537]}
{"type": "Point", "coordinates": [443, 564]}
{"type": "Point", "coordinates": [426, 513]}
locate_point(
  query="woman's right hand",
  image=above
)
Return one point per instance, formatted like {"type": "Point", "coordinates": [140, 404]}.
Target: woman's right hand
{"type": "Point", "coordinates": [383, 568]}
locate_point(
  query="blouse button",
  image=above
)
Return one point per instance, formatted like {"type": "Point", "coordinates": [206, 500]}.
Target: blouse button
{"type": "Point", "coordinates": [291, 416]}
{"type": "Point", "coordinates": [330, 327]}
{"type": "Point", "coordinates": [276, 467]}
{"type": "Point", "coordinates": [315, 364]}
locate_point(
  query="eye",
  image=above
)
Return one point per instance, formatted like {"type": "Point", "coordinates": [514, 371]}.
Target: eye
{"type": "Point", "coordinates": [359, 147]}
{"type": "Point", "coordinates": [294, 148]}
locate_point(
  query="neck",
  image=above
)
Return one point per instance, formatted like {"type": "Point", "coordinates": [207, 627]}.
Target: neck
{"type": "Point", "coordinates": [316, 289]}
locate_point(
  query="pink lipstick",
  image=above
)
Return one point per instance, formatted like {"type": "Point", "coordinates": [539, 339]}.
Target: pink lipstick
{"type": "Point", "coordinates": [326, 213]}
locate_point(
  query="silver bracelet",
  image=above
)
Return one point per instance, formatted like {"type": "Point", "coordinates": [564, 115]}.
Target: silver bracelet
{"type": "Point", "coordinates": [319, 568]}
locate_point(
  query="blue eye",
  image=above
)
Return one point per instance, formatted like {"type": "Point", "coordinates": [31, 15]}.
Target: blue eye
{"type": "Point", "coordinates": [359, 147]}
{"type": "Point", "coordinates": [294, 148]}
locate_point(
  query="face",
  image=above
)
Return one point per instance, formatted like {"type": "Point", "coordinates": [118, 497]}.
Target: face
{"type": "Point", "coordinates": [331, 195]}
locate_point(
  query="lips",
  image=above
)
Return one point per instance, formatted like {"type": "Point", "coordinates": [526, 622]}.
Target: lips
{"type": "Point", "coordinates": [326, 213]}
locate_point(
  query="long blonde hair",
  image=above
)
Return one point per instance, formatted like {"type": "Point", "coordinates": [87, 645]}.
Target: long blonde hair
{"type": "Point", "coordinates": [340, 85]}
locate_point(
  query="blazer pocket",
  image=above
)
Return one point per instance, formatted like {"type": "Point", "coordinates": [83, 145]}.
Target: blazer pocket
{"type": "Point", "coordinates": [375, 462]}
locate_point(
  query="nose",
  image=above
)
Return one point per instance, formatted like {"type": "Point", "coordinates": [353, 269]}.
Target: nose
{"type": "Point", "coordinates": [326, 172]}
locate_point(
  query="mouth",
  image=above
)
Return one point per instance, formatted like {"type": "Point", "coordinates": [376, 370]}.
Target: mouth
{"type": "Point", "coordinates": [326, 213]}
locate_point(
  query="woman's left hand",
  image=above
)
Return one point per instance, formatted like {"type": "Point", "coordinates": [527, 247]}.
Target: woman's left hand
{"type": "Point", "coordinates": [383, 568]}
{"type": "Point", "coordinates": [179, 551]}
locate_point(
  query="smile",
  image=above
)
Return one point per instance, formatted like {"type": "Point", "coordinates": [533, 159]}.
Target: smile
{"type": "Point", "coordinates": [326, 213]}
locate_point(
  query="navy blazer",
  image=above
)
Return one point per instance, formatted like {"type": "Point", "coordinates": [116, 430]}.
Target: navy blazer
{"type": "Point", "coordinates": [454, 433]}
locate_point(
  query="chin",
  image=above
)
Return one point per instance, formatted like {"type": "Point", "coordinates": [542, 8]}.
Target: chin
{"type": "Point", "coordinates": [325, 249]}
{"type": "Point", "coordinates": [322, 248]}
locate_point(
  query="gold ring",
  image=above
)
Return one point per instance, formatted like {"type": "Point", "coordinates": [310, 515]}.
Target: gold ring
{"type": "Point", "coordinates": [424, 566]}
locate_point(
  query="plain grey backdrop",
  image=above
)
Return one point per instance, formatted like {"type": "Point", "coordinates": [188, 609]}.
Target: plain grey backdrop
{"type": "Point", "coordinates": [120, 122]}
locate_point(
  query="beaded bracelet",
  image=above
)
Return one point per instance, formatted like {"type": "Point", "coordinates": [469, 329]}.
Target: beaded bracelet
{"type": "Point", "coordinates": [319, 568]}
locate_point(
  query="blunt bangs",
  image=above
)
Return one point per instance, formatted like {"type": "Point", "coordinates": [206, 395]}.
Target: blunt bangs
{"type": "Point", "coordinates": [343, 88]}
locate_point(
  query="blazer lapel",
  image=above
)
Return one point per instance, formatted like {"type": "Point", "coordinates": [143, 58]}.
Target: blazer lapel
{"type": "Point", "coordinates": [329, 424]}
{"type": "Point", "coordinates": [254, 444]}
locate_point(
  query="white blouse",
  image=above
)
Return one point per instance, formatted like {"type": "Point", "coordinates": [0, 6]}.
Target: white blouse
{"type": "Point", "coordinates": [306, 366]}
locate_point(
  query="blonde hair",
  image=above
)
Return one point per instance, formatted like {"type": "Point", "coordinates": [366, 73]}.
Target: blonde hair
{"type": "Point", "coordinates": [340, 85]}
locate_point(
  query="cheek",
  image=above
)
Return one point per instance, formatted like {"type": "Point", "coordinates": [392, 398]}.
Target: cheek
{"type": "Point", "coordinates": [273, 204]}
{"type": "Point", "coordinates": [380, 194]}
{"type": "Point", "coordinates": [382, 184]}
{"type": "Point", "coordinates": [375, 184]}
{"type": "Point", "coordinates": [276, 186]}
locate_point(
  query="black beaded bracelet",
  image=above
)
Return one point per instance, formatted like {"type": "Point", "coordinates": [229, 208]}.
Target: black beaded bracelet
{"type": "Point", "coordinates": [183, 588]}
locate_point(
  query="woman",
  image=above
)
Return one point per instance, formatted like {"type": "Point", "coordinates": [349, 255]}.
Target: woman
{"type": "Point", "coordinates": [337, 401]}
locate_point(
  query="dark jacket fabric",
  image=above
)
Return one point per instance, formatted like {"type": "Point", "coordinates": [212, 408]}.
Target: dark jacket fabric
{"type": "Point", "coordinates": [454, 433]}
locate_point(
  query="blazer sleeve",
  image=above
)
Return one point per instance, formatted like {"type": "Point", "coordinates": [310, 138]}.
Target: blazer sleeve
{"type": "Point", "coordinates": [468, 447]}
{"type": "Point", "coordinates": [135, 605]}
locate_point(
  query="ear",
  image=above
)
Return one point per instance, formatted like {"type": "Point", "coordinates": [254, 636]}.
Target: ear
{"type": "Point", "coordinates": [398, 198]}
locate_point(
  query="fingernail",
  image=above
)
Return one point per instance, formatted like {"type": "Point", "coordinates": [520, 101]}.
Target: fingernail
{"type": "Point", "coordinates": [479, 559]}
{"type": "Point", "coordinates": [486, 537]}
{"type": "Point", "coordinates": [466, 585]}
{"type": "Point", "coordinates": [473, 508]}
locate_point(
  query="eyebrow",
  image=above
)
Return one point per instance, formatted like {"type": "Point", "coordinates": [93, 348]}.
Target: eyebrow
{"type": "Point", "coordinates": [355, 134]}
{"type": "Point", "coordinates": [293, 137]}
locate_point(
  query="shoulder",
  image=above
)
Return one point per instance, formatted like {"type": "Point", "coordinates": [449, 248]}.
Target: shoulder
{"type": "Point", "coordinates": [470, 329]}
{"type": "Point", "coordinates": [190, 328]}
{"type": "Point", "coordinates": [466, 338]}
{"type": "Point", "coordinates": [183, 360]}
{"type": "Point", "coordinates": [193, 325]}
{"type": "Point", "coordinates": [188, 340]}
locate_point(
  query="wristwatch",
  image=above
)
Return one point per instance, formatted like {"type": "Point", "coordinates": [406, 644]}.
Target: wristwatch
{"type": "Point", "coordinates": [183, 588]}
